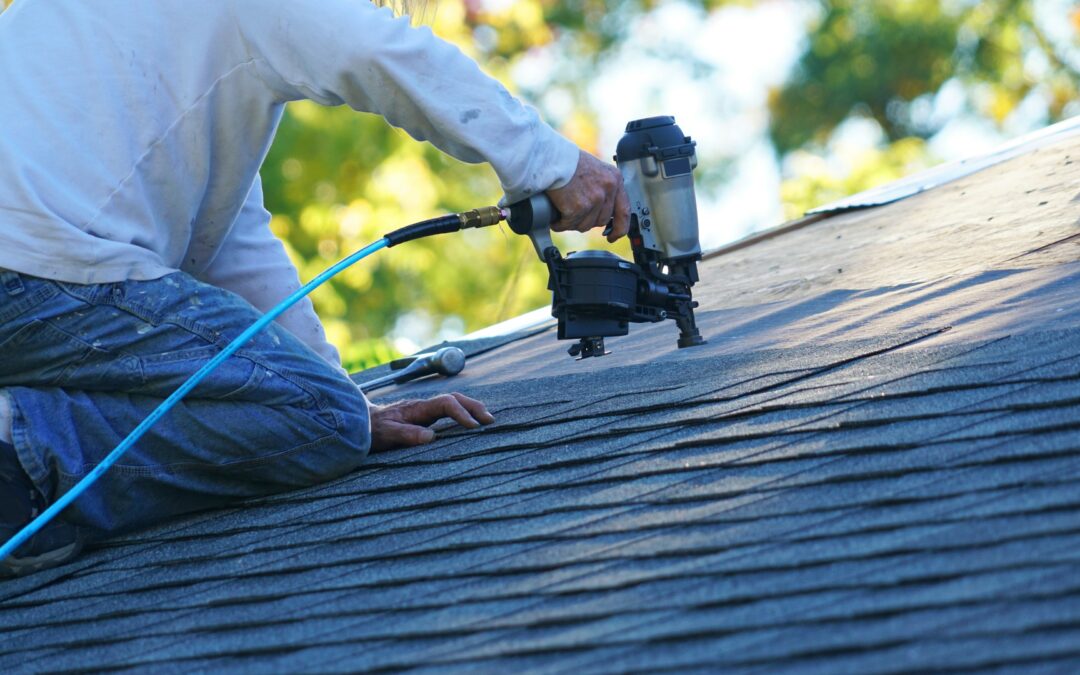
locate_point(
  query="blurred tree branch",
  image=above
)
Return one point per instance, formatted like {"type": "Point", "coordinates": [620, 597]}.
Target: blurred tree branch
{"type": "Point", "coordinates": [870, 58]}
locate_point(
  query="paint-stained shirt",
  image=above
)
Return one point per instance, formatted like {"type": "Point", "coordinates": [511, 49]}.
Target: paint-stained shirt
{"type": "Point", "coordinates": [132, 132]}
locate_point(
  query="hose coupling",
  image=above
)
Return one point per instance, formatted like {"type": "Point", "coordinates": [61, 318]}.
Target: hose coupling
{"type": "Point", "coordinates": [481, 217]}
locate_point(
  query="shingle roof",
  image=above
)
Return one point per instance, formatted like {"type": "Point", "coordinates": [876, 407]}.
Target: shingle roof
{"type": "Point", "coordinates": [871, 467]}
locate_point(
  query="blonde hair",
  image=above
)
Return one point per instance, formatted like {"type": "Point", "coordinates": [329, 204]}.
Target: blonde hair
{"type": "Point", "coordinates": [417, 9]}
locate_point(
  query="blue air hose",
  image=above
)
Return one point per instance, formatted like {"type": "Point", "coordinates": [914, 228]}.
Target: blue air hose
{"type": "Point", "coordinates": [444, 224]}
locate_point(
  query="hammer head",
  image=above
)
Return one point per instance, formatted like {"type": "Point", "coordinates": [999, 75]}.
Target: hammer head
{"type": "Point", "coordinates": [444, 361]}
{"type": "Point", "coordinates": [447, 361]}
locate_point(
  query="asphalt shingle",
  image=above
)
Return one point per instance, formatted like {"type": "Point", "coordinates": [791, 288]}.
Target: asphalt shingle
{"type": "Point", "coordinates": [867, 472]}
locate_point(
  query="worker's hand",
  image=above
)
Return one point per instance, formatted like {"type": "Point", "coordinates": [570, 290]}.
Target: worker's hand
{"type": "Point", "coordinates": [594, 197]}
{"type": "Point", "coordinates": [405, 423]}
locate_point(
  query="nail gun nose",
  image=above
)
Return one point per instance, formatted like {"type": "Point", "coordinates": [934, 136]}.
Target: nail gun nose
{"type": "Point", "coordinates": [448, 361]}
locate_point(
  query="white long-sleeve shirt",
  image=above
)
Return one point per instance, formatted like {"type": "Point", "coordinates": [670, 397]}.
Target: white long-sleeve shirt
{"type": "Point", "coordinates": [131, 132]}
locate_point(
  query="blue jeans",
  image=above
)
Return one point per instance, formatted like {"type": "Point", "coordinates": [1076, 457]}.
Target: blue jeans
{"type": "Point", "coordinates": [83, 365]}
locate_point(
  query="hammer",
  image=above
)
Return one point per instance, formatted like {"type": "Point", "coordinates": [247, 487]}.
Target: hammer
{"type": "Point", "coordinates": [447, 361]}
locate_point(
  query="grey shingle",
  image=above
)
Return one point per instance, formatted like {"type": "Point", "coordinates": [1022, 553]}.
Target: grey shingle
{"type": "Point", "coordinates": [875, 478]}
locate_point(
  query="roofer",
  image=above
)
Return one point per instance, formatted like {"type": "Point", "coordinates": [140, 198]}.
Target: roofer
{"type": "Point", "coordinates": [134, 246]}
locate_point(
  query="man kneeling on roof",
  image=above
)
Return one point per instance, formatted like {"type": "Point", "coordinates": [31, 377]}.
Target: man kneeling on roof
{"type": "Point", "coordinates": [134, 246]}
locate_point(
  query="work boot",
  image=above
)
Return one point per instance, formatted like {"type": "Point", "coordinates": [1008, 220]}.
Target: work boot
{"type": "Point", "coordinates": [20, 502]}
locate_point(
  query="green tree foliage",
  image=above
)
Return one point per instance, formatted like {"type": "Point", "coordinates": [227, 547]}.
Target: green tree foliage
{"type": "Point", "coordinates": [864, 57]}
{"type": "Point", "coordinates": [886, 61]}
{"type": "Point", "coordinates": [874, 58]}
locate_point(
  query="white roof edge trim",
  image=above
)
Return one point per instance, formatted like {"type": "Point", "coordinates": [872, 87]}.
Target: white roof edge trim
{"type": "Point", "coordinates": [533, 319]}
{"type": "Point", "coordinates": [950, 171]}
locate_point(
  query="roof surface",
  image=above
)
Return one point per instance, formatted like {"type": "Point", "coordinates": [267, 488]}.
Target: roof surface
{"type": "Point", "coordinates": [871, 467]}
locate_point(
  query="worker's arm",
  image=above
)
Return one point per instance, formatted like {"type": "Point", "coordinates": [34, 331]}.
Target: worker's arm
{"type": "Point", "coordinates": [350, 52]}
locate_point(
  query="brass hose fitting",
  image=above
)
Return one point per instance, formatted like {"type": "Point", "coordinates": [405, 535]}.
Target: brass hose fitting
{"type": "Point", "coordinates": [481, 217]}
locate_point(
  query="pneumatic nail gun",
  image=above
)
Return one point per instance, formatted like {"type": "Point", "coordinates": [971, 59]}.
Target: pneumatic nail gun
{"type": "Point", "coordinates": [597, 294]}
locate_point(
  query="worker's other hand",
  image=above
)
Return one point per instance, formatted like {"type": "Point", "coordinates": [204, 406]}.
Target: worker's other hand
{"type": "Point", "coordinates": [405, 423]}
{"type": "Point", "coordinates": [594, 197]}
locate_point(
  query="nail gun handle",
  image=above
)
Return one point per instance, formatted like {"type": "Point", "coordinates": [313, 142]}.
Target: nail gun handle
{"type": "Point", "coordinates": [528, 214]}
{"type": "Point", "coordinates": [533, 217]}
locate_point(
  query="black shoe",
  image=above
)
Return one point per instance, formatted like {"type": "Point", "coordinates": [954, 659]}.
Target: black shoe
{"type": "Point", "coordinates": [20, 502]}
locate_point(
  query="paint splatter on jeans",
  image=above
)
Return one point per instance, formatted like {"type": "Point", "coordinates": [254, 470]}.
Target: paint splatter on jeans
{"type": "Point", "coordinates": [83, 365]}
